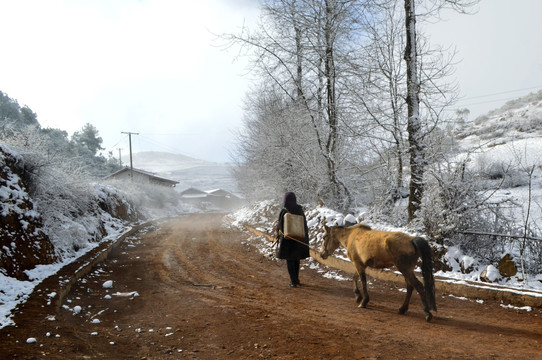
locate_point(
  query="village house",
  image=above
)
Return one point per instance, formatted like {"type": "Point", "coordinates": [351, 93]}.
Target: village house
{"type": "Point", "coordinates": [219, 198]}
{"type": "Point", "coordinates": [141, 176]}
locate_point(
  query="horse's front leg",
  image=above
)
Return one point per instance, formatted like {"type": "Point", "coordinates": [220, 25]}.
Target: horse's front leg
{"type": "Point", "coordinates": [356, 288]}
{"type": "Point", "coordinates": [364, 296]}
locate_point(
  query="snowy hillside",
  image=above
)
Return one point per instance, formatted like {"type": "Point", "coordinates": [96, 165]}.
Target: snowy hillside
{"type": "Point", "coordinates": [48, 219]}
{"type": "Point", "coordinates": [190, 172]}
{"type": "Point", "coordinates": [502, 152]}
{"type": "Point", "coordinates": [51, 217]}
{"type": "Point", "coordinates": [506, 145]}
{"type": "Point", "coordinates": [518, 119]}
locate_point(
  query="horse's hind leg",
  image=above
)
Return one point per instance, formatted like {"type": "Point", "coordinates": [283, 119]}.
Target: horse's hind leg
{"type": "Point", "coordinates": [411, 279]}
{"type": "Point", "coordinates": [356, 288]}
{"type": "Point", "coordinates": [365, 299]}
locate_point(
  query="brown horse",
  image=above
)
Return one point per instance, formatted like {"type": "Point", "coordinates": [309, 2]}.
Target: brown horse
{"type": "Point", "coordinates": [366, 247]}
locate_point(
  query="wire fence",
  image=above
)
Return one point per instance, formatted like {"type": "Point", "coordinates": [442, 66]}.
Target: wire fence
{"type": "Point", "coordinates": [500, 235]}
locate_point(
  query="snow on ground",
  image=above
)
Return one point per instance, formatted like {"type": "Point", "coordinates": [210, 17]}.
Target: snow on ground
{"type": "Point", "coordinates": [509, 138]}
{"type": "Point", "coordinates": [75, 222]}
{"type": "Point", "coordinates": [519, 157]}
{"type": "Point", "coordinates": [262, 216]}
{"type": "Point", "coordinates": [502, 146]}
{"type": "Point", "coordinates": [15, 292]}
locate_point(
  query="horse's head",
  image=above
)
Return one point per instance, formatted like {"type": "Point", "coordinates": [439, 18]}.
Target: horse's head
{"type": "Point", "coordinates": [330, 244]}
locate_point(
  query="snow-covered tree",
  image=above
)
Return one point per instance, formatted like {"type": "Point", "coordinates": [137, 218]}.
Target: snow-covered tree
{"type": "Point", "coordinates": [300, 46]}
{"type": "Point", "coordinates": [88, 138]}
{"type": "Point", "coordinates": [13, 116]}
{"type": "Point", "coordinates": [417, 147]}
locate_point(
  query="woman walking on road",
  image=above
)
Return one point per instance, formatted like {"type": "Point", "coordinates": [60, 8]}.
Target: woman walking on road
{"type": "Point", "coordinates": [292, 250]}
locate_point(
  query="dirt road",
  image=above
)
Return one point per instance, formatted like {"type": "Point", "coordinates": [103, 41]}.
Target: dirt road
{"type": "Point", "coordinates": [190, 288]}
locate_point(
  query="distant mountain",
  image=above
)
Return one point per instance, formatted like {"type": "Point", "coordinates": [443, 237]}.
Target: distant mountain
{"type": "Point", "coordinates": [190, 172]}
{"type": "Point", "coordinates": [159, 162]}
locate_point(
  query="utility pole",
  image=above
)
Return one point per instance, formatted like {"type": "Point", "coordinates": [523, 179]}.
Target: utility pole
{"type": "Point", "coordinates": [131, 162]}
{"type": "Point", "coordinates": [120, 157]}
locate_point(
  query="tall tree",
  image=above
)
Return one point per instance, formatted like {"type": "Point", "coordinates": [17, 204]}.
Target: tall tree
{"type": "Point", "coordinates": [415, 138]}
{"type": "Point", "coordinates": [14, 117]}
{"type": "Point", "coordinates": [297, 46]}
{"type": "Point", "coordinates": [88, 138]}
{"type": "Point", "coordinates": [275, 149]}
{"type": "Point", "coordinates": [417, 147]}
{"type": "Point", "coordinates": [376, 86]}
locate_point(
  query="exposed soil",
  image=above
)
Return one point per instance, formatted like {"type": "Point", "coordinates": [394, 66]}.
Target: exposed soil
{"type": "Point", "coordinates": [204, 294]}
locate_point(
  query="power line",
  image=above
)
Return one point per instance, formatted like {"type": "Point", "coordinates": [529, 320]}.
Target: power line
{"type": "Point", "coordinates": [461, 104]}
{"type": "Point", "coordinates": [503, 92]}
{"type": "Point", "coordinates": [490, 101]}
{"type": "Point", "coordinates": [112, 147]}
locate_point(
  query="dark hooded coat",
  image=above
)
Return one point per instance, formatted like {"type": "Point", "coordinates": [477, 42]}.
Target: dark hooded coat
{"type": "Point", "coordinates": [292, 249]}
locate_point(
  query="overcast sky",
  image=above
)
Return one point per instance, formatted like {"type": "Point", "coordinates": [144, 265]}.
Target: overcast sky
{"type": "Point", "coordinates": [150, 67]}
{"type": "Point", "coordinates": [499, 49]}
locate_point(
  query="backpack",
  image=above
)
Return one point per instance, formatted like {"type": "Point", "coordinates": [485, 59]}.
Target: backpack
{"type": "Point", "coordinates": [294, 226]}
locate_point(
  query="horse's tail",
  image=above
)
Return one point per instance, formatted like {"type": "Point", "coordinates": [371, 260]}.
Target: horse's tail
{"type": "Point", "coordinates": [427, 270]}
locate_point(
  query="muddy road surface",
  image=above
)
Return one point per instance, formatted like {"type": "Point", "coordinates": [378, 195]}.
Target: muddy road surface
{"type": "Point", "coordinates": [192, 288]}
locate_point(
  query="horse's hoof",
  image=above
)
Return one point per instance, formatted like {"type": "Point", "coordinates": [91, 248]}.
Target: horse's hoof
{"type": "Point", "coordinates": [402, 311]}
{"type": "Point", "coordinates": [428, 317]}
{"type": "Point", "coordinates": [362, 306]}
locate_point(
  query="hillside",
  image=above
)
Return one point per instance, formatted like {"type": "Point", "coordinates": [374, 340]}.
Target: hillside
{"type": "Point", "coordinates": [188, 171]}
{"type": "Point", "coordinates": [506, 146]}
{"type": "Point", "coordinates": [162, 162]}
{"type": "Point", "coordinates": [49, 217]}
{"type": "Point", "coordinates": [517, 119]}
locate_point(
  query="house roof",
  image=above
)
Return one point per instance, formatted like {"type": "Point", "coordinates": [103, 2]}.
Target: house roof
{"type": "Point", "coordinates": [151, 175]}
{"type": "Point", "coordinates": [221, 192]}
{"type": "Point", "coordinates": [196, 193]}
{"type": "Point", "coordinates": [193, 192]}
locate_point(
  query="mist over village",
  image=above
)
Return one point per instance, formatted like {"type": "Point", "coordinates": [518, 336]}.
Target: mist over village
{"type": "Point", "coordinates": [149, 197]}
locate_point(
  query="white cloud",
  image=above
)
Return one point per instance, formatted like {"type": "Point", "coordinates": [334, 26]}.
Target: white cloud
{"type": "Point", "coordinates": [142, 66]}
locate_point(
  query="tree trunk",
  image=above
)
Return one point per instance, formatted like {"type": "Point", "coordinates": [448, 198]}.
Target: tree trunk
{"type": "Point", "coordinates": [299, 54]}
{"type": "Point", "coordinates": [415, 138]}
{"type": "Point", "coordinates": [337, 186]}
{"type": "Point", "coordinates": [329, 68]}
